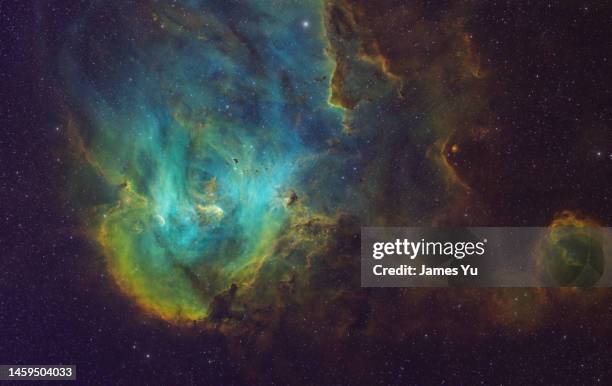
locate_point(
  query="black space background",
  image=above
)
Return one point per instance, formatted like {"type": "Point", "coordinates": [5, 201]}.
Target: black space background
{"type": "Point", "coordinates": [55, 307]}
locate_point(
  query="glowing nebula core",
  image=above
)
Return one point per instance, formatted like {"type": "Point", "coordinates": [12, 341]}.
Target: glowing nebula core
{"type": "Point", "coordinates": [201, 121]}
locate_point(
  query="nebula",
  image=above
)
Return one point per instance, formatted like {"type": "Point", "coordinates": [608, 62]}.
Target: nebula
{"type": "Point", "coordinates": [226, 155]}
{"type": "Point", "coordinates": [218, 137]}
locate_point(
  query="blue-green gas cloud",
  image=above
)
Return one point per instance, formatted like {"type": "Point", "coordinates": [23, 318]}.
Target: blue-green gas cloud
{"type": "Point", "coordinates": [203, 120]}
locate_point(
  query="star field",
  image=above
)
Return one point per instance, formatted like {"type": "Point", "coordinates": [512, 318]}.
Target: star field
{"type": "Point", "coordinates": [183, 186]}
